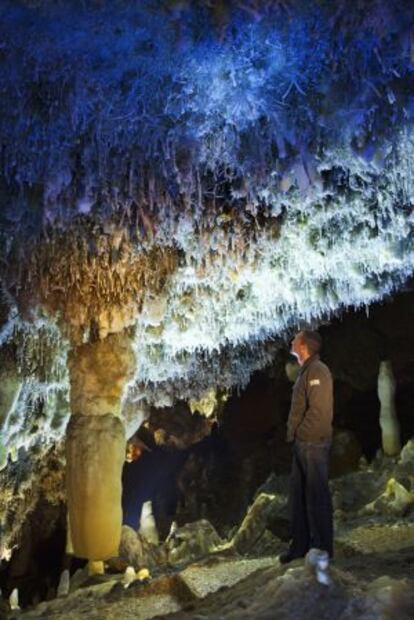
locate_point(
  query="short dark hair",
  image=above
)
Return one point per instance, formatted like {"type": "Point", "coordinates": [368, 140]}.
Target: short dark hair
{"type": "Point", "coordinates": [312, 340]}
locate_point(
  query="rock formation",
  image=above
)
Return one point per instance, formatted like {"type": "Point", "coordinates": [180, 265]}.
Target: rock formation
{"type": "Point", "coordinates": [390, 428]}
{"type": "Point", "coordinates": [95, 445]}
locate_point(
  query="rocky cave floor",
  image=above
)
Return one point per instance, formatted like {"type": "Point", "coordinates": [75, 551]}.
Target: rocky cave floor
{"type": "Point", "coordinates": [198, 575]}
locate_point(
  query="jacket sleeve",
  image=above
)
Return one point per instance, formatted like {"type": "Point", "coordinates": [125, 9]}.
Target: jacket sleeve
{"type": "Point", "coordinates": [297, 408]}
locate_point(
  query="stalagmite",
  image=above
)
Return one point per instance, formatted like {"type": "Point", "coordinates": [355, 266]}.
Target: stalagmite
{"type": "Point", "coordinates": [95, 446]}
{"type": "Point", "coordinates": [96, 567]}
{"type": "Point", "coordinates": [95, 451]}
{"type": "Point", "coordinates": [129, 576]}
{"type": "Point", "coordinates": [69, 544]}
{"type": "Point", "coordinates": [148, 527]}
{"type": "Point", "coordinates": [64, 584]}
{"type": "Point", "coordinates": [143, 575]}
{"type": "Point", "coordinates": [390, 427]}
{"type": "Point", "coordinates": [171, 535]}
{"type": "Point", "coordinates": [14, 600]}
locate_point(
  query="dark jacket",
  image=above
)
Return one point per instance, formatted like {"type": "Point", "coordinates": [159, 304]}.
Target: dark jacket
{"type": "Point", "coordinates": [311, 411]}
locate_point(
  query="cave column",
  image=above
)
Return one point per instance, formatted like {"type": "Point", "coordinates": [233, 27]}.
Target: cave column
{"type": "Point", "coordinates": [95, 446]}
{"type": "Point", "coordinates": [390, 428]}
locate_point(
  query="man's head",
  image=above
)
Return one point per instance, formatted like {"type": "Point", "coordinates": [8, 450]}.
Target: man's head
{"type": "Point", "coordinates": [305, 344]}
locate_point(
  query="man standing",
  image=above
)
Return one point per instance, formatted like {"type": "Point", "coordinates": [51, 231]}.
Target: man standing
{"type": "Point", "coordinates": [309, 427]}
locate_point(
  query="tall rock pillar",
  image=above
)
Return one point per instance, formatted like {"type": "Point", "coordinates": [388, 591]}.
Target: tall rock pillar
{"type": "Point", "coordinates": [95, 445]}
{"type": "Point", "coordinates": [390, 428]}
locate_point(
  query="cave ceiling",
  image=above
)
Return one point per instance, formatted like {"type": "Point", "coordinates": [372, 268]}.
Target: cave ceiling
{"type": "Point", "coordinates": [206, 175]}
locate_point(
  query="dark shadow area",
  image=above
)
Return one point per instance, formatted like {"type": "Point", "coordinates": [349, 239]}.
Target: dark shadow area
{"type": "Point", "coordinates": [405, 410]}
{"type": "Point", "coordinates": [37, 562]}
{"type": "Point", "coordinates": [152, 477]}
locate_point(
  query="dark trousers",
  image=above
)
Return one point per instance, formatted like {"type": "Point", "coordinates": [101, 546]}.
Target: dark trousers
{"type": "Point", "coordinates": [310, 499]}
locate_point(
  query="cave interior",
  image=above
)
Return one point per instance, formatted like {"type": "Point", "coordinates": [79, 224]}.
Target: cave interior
{"type": "Point", "coordinates": [185, 185]}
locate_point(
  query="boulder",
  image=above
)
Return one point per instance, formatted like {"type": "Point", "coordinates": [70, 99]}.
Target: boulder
{"type": "Point", "coordinates": [395, 500]}
{"type": "Point", "coordinates": [193, 541]}
{"type": "Point", "coordinates": [138, 551]}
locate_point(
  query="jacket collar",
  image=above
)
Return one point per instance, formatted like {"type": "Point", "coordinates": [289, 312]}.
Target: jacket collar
{"type": "Point", "coordinates": [312, 358]}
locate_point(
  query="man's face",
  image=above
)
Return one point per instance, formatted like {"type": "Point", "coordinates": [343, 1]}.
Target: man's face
{"type": "Point", "coordinates": [299, 349]}
{"type": "Point", "coordinates": [133, 452]}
